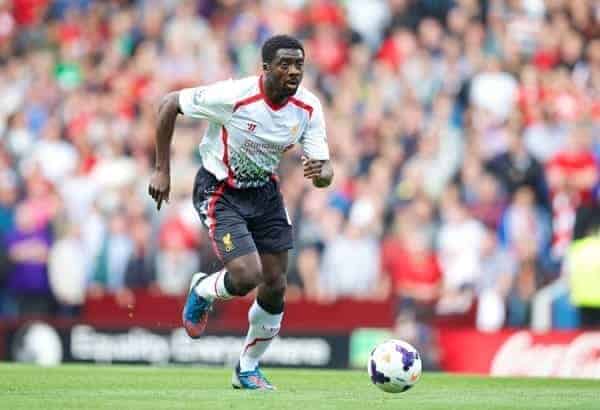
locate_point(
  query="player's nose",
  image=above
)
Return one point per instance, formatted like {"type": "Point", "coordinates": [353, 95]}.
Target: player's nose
{"type": "Point", "coordinates": [293, 71]}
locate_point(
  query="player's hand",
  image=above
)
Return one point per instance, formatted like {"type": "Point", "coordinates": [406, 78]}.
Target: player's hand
{"type": "Point", "coordinates": [319, 171]}
{"type": "Point", "coordinates": [312, 167]}
{"type": "Point", "coordinates": [159, 187]}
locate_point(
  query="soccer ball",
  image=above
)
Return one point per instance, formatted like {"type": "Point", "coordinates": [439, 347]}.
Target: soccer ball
{"type": "Point", "coordinates": [394, 366]}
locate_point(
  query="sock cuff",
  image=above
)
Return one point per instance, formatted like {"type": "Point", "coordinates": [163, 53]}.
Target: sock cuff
{"type": "Point", "coordinates": [227, 285]}
{"type": "Point", "coordinates": [257, 314]}
{"type": "Point", "coordinates": [213, 287]}
{"type": "Point", "coordinates": [220, 288]}
{"type": "Point", "coordinates": [269, 310]}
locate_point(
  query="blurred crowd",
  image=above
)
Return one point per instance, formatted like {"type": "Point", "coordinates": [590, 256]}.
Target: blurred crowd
{"type": "Point", "coordinates": [464, 134]}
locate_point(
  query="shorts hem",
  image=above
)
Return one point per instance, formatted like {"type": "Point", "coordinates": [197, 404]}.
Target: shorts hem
{"type": "Point", "coordinates": [274, 250]}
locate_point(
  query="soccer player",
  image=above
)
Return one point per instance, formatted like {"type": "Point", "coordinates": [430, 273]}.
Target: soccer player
{"type": "Point", "coordinates": [252, 122]}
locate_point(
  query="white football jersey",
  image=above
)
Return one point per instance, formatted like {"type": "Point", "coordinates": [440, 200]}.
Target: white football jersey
{"type": "Point", "coordinates": [248, 134]}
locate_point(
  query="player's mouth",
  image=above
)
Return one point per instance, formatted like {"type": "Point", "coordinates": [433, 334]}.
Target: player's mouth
{"type": "Point", "coordinates": [293, 84]}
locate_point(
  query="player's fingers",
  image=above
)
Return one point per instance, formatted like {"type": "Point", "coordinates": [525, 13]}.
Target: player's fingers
{"type": "Point", "coordinates": [312, 170]}
{"type": "Point", "coordinates": [158, 202]}
{"type": "Point", "coordinates": [313, 167]}
{"type": "Point", "coordinates": [164, 195]}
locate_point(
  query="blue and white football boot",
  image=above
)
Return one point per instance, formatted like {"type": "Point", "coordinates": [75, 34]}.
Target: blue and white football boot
{"type": "Point", "coordinates": [250, 380]}
{"type": "Point", "coordinates": [195, 311]}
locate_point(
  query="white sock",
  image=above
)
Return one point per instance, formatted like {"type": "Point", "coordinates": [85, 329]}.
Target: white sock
{"type": "Point", "coordinates": [213, 287]}
{"type": "Point", "coordinates": [264, 326]}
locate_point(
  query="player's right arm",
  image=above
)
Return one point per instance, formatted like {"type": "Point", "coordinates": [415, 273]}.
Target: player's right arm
{"type": "Point", "coordinates": [212, 102]}
{"type": "Point", "coordinates": [160, 181]}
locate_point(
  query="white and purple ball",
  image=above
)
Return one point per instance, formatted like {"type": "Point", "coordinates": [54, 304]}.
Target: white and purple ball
{"type": "Point", "coordinates": [394, 366]}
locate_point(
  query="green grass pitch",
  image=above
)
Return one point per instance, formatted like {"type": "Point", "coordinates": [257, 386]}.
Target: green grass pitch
{"type": "Point", "coordinates": [141, 387]}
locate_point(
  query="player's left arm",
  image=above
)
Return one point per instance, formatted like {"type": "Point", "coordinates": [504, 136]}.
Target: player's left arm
{"type": "Point", "coordinates": [315, 161]}
{"type": "Point", "coordinates": [320, 171]}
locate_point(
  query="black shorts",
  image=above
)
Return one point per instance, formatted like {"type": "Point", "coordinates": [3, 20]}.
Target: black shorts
{"type": "Point", "coordinates": [242, 221]}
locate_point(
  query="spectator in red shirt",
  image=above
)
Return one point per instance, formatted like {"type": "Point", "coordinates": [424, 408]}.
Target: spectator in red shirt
{"type": "Point", "coordinates": [29, 12]}
{"type": "Point", "coordinates": [574, 170]}
{"type": "Point", "coordinates": [328, 48]}
{"type": "Point", "coordinates": [572, 174]}
{"type": "Point", "coordinates": [408, 259]}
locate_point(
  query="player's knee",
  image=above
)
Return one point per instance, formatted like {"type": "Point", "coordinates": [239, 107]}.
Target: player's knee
{"type": "Point", "coordinates": [244, 276]}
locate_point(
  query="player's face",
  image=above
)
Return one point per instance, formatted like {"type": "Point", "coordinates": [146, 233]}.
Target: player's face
{"type": "Point", "coordinates": [286, 70]}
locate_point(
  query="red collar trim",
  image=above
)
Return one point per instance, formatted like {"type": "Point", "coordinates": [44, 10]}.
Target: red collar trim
{"type": "Point", "coordinates": [270, 103]}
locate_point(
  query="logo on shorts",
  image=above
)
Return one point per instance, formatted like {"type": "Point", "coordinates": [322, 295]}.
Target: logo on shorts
{"type": "Point", "coordinates": [228, 242]}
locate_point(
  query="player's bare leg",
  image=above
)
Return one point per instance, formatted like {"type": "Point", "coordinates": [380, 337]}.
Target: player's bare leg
{"type": "Point", "coordinates": [264, 317]}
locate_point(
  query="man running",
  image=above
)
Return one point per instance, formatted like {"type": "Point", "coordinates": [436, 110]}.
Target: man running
{"type": "Point", "coordinates": [252, 122]}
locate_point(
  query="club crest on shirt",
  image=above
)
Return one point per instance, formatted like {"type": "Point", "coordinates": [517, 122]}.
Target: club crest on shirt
{"type": "Point", "coordinates": [294, 130]}
{"type": "Point", "coordinates": [228, 242]}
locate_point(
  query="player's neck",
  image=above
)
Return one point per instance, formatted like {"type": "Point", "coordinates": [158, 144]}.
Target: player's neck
{"type": "Point", "coordinates": [271, 94]}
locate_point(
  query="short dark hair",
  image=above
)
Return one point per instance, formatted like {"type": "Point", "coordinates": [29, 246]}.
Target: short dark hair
{"type": "Point", "coordinates": [269, 49]}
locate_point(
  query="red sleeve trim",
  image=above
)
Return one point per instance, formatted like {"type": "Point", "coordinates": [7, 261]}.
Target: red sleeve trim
{"type": "Point", "coordinates": [262, 96]}
{"type": "Point", "coordinates": [246, 101]}
{"type": "Point", "coordinates": [302, 105]}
